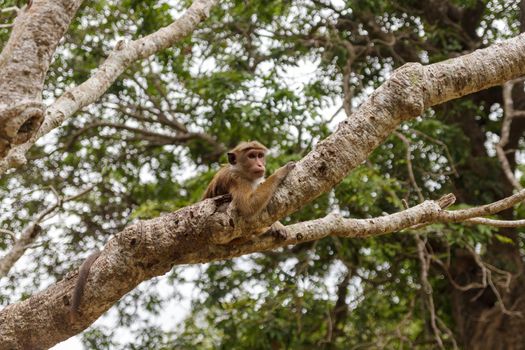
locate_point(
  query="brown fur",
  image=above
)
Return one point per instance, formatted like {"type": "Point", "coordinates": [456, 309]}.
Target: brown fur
{"type": "Point", "coordinates": [238, 179]}
{"type": "Point", "coordinates": [221, 183]}
{"type": "Point", "coordinates": [245, 146]}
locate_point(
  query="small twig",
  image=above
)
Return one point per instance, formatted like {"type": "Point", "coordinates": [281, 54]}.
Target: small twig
{"type": "Point", "coordinates": [329, 326]}
{"type": "Point", "coordinates": [401, 326]}
{"type": "Point", "coordinates": [79, 194]}
{"type": "Point", "coordinates": [331, 119]}
{"type": "Point", "coordinates": [486, 269]}
{"type": "Point", "coordinates": [424, 259]}
{"type": "Point", "coordinates": [34, 245]}
{"type": "Point", "coordinates": [496, 223]}
{"type": "Point", "coordinates": [348, 91]}
{"type": "Point", "coordinates": [9, 233]}
{"type": "Point", "coordinates": [32, 231]}
{"type": "Point", "coordinates": [507, 274]}
{"type": "Point", "coordinates": [449, 333]}
{"type": "Point", "coordinates": [519, 114]}
{"type": "Point", "coordinates": [6, 10]}
{"type": "Point", "coordinates": [473, 285]}
{"type": "Point", "coordinates": [409, 165]}
{"type": "Point", "coordinates": [509, 114]}
{"type": "Point", "coordinates": [501, 304]}
{"type": "Point", "coordinates": [10, 9]}
{"type": "Point", "coordinates": [484, 210]}
{"type": "Point", "coordinates": [440, 143]}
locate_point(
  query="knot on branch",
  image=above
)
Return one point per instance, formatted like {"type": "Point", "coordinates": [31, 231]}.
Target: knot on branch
{"type": "Point", "coordinates": [223, 228]}
{"type": "Point", "coordinates": [406, 85]}
{"type": "Point", "coordinates": [201, 10]}
{"type": "Point", "coordinates": [18, 123]}
{"type": "Point", "coordinates": [221, 219]}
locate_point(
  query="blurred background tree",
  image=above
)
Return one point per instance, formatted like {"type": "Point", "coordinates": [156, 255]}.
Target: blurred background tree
{"type": "Point", "coordinates": [284, 73]}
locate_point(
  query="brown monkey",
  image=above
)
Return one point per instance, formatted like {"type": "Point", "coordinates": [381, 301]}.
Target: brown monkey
{"type": "Point", "coordinates": [78, 292]}
{"type": "Point", "coordinates": [243, 178]}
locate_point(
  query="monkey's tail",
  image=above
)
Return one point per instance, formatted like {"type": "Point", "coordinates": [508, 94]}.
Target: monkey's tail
{"type": "Point", "coordinates": [78, 292]}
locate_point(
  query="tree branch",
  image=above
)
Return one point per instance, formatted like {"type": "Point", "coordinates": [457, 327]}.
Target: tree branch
{"type": "Point", "coordinates": [32, 231]}
{"type": "Point", "coordinates": [188, 236]}
{"type": "Point", "coordinates": [509, 114]}
{"type": "Point", "coordinates": [410, 169]}
{"type": "Point", "coordinates": [488, 209]}
{"type": "Point", "coordinates": [24, 62]}
{"type": "Point", "coordinates": [124, 54]}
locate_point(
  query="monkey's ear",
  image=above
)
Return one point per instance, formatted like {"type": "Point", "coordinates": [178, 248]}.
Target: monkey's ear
{"type": "Point", "coordinates": [231, 158]}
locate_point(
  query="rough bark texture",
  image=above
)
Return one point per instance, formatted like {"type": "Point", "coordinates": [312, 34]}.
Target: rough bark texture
{"type": "Point", "coordinates": [124, 54]}
{"type": "Point", "coordinates": [410, 90]}
{"type": "Point", "coordinates": [151, 248]}
{"type": "Point", "coordinates": [24, 63]}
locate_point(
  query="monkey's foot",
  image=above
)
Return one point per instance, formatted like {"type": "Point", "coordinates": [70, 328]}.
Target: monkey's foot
{"type": "Point", "coordinates": [278, 231]}
{"type": "Point", "coordinates": [280, 234]}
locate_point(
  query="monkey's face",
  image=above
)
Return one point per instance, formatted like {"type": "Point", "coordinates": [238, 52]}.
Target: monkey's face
{"type": "Point", "coordinates": [254, 163]}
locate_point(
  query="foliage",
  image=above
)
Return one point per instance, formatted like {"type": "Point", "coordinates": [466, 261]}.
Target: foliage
{"type": "Point", "coordinates": [274, 71]}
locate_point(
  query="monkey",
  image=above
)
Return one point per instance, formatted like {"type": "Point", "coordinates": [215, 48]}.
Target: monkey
{"type": "Point", "coordinates": [78, 292]}
{"type": "Point", "coordinates": [243, 178]}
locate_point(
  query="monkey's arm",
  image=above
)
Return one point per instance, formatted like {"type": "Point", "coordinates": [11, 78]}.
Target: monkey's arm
{"type": "Point", "coordinates": [250, 202]}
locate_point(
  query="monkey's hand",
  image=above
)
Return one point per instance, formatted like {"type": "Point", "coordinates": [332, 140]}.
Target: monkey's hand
{"type": "Point", "coordinates": [285, 170]}
{"type": "Point", "coordinates": [278, 231]}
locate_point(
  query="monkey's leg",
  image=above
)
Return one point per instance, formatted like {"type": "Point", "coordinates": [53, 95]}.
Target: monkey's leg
{"type": "Point", "coordinates": [278, 230]}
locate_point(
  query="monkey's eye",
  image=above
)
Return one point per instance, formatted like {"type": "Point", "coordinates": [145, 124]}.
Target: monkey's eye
{"type": "Point", "coordinates": [252, 155]}
{"type": "Point", "coordinates": [260, 155]}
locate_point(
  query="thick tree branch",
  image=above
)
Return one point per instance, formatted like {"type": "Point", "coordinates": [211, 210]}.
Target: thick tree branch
{"type": "Point", "coordinates": [24, 62]}
{"type": "Point", "coordinates": [124, 55]}
{"type": "Point", "coordinates": [151, 248]}
{"type": "Point", "coordinates": [187, 236]}
{"type": "Point", "coordinates": [409, 91]}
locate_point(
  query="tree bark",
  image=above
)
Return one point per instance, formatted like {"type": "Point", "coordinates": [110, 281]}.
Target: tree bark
{"type": "Point", "coordinates": [124, 54]}
{"type": "Point", "coordinates": [151, 248]}
{"type": "Point", "coordinates": [24, 62]}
